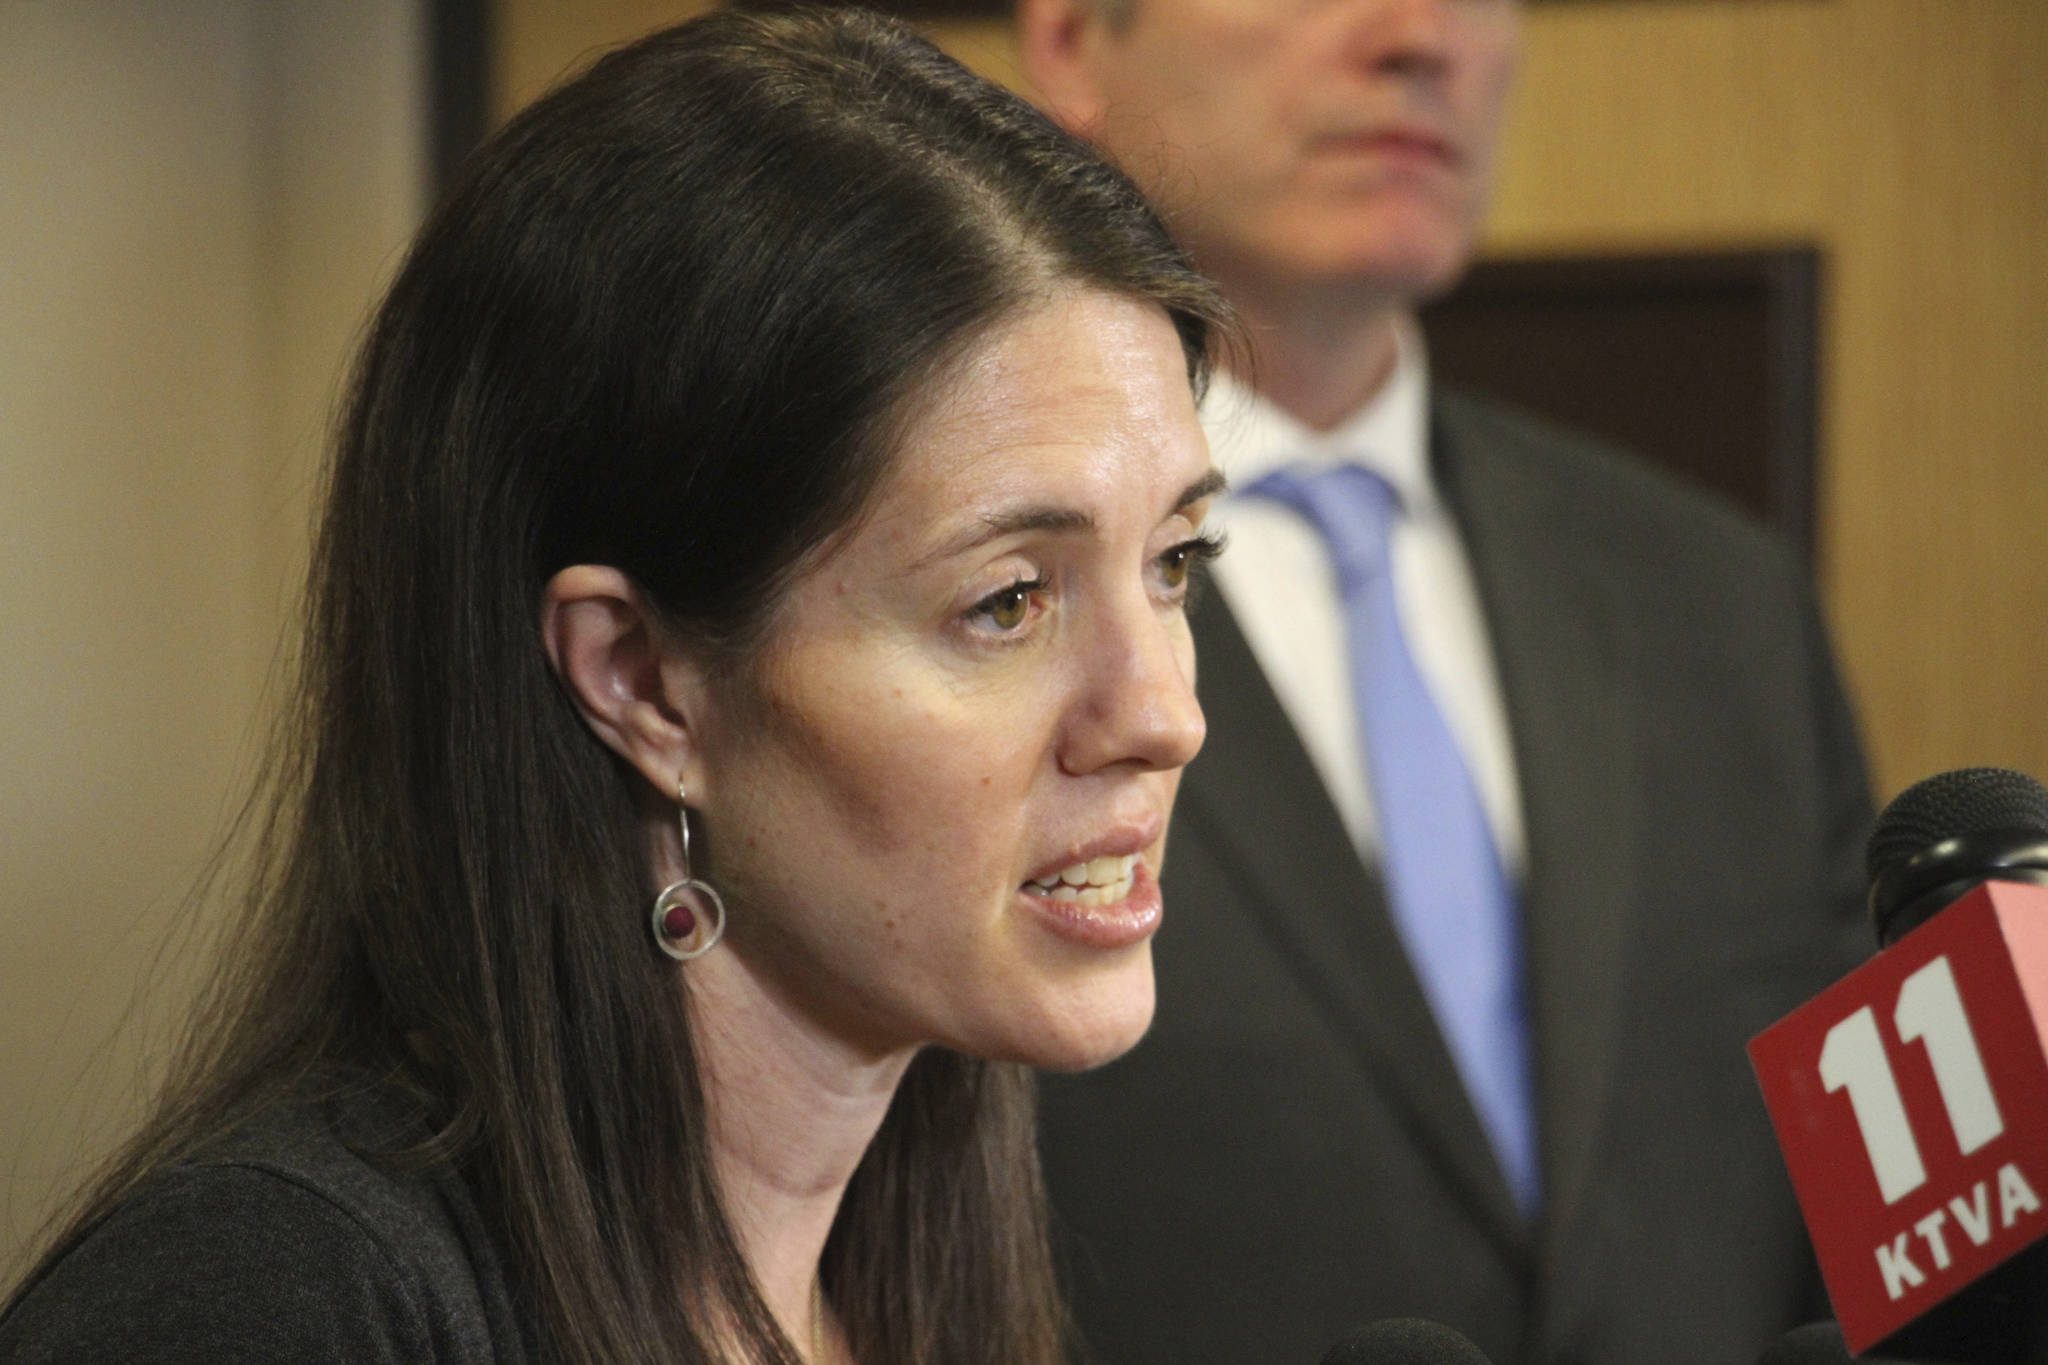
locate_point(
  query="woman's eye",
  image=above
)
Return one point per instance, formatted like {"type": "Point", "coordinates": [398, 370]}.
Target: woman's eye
{"type": "Point", "coordinates": [1008, 608]}
{"type": "Point", "coordinates": [1175, 565]}
{"type": "Point", "coordinates": [1179, 561]}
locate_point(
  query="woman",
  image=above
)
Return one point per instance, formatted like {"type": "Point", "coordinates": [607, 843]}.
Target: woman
{"type": "Point", "coordinates": [745, 689]}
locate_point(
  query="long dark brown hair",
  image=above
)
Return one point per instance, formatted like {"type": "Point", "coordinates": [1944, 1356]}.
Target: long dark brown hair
{"type": "Point", "coordinates": [668, 321]}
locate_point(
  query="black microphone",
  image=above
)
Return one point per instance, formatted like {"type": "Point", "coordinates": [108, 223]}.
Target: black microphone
{"type": "Point", "coordinates": [1817, 1343]}
{"type": "Point", "coordinates": [1405, 1341]}
{"type": "Point", "coordinates": [1935, 845]}
{"type": "Point", "coordinates": [1935, 842]}
{"type": "Point", "coordinates": [1946, 834]}
{"type": "Point", "coordinates": [1820, 1343]}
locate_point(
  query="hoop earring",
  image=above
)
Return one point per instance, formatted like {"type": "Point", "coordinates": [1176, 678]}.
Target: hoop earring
{"type": "Point", "coordinates": [684, 905]}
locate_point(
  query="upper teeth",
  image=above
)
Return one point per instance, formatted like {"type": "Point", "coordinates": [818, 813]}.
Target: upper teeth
{"type": "Point", "coordinates": [1095, 874]}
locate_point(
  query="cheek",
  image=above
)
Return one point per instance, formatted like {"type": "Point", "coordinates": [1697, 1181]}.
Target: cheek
{"type": "Point", "coordinates": [1207, 89]}
{"type": "Point", "coordinates": [900, 780]}
{"type": "Point", "coordinates": [1255, 112]}
{"type": "Point", "coordinates": [1490, 75]}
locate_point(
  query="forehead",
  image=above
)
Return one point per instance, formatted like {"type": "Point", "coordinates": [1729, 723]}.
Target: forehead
{"type": "Point", "coordinates": [1087, 388]}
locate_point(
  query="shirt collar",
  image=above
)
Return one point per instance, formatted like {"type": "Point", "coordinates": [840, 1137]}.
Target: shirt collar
{"type": "Point", "coordinates": [1389, 435]}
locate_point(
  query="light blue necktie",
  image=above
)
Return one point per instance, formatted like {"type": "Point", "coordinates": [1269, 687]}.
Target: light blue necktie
{"type": "Point", "coordinates": [1449, 895]}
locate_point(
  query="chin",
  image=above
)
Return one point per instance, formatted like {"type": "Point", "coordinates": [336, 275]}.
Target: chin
{"type": "Point", "coordinates": [1413, 254]}
{"type": "Point", "coordinates": [1097, 1024]}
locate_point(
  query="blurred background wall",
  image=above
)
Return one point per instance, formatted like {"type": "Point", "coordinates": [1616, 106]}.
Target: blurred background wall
{"type": "Point", "coordinates": [197, 200]}
{"type": "Point", "coordinates": [1909, 141]}
{"type": "Point", "coordinates": [200, 198]}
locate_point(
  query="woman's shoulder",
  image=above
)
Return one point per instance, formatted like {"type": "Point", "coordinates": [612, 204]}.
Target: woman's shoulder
{"type": "Point", "coordinates": [285, 1240]}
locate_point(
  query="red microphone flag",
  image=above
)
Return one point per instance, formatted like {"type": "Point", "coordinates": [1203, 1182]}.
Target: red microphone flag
{"type": "Point", "coordinates": [1911, 1103]}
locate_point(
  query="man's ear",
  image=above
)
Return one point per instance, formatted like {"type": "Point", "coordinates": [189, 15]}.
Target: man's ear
{"type": "Point", "coordinates": [603, 638]}
{"type": "Point", "coordinates": [1058, 41]}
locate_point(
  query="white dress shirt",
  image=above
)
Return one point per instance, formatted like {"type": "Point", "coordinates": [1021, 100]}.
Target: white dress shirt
{"type": "Point", "coordinates": [1282, 589]}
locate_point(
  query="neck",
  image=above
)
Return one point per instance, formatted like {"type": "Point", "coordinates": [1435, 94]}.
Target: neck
{"type": "Point", "coordinates": [1319, 350]}
{"type": "Point", "coordinates": [792, 1111]}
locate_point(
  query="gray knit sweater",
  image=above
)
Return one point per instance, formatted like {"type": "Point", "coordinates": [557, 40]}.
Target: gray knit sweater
{"type": "Point", "coordinates": [281, 1244]}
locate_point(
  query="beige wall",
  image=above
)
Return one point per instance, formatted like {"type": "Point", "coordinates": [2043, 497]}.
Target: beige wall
{"type": "Point", "coordinates": [199, 201]}
{"type": "Point", "coordinates": [1909, 139]}
{"type": "Point", "coordinates": [539, 41]}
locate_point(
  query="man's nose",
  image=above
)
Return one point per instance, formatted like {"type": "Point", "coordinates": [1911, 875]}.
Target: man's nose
{"type": "Point", "coordinates": [1400, 37]}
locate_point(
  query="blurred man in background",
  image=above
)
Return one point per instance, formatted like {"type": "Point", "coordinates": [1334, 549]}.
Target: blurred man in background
{"type": "Point", "coordinates": [1530, 792]}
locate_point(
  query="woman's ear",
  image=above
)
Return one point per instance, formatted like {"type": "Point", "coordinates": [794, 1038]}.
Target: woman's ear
{"type": "Point", "coordinates": [603, 638]}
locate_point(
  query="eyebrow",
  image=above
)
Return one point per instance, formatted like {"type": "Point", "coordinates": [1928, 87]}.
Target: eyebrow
{"type": "Point", "coordinates": [994, 525]}
{"type": "Point", "coordinates": [1207, 486]}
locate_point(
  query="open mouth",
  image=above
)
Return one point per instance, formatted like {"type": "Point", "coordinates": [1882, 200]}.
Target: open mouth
{"type": "Point", "coordinates": [1096, 882]}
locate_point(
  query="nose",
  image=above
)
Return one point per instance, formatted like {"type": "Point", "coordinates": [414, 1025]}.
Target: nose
{"type": "Point", "coordinates": [1401, 37]}
{"type": "Point", "coordinates": [1134, 705]}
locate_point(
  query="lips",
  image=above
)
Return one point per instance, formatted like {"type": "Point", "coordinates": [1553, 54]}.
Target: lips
{"type": "Point", "coordinates": [1100, 892]}
{"type": "Point", "coordinates": [1117, 914]}
{"type": "Point", "coordinates": [1407, 143]}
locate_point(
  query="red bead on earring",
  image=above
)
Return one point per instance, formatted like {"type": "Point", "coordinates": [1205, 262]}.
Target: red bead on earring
{"type": "Point", "coordinates": [678, 922]}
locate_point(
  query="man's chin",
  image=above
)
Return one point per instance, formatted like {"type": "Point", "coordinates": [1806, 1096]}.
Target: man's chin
{"type": "Point", "coordinates": [1406, 256]}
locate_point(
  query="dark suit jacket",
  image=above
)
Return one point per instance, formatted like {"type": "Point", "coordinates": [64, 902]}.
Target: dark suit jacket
{"type": "Point", "coordinates": [1289, 1153]}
